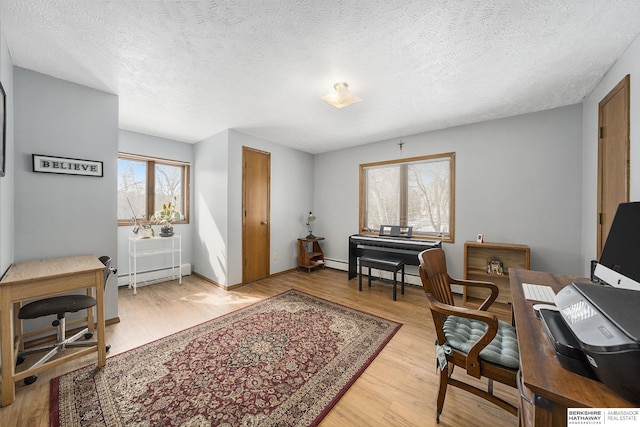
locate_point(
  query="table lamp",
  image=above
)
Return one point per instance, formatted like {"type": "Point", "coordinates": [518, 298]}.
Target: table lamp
{"type": "Point", "coordinates": [310, 218]}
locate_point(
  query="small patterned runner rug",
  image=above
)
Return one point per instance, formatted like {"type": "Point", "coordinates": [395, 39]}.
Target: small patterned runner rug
{"type": "Point", "coordinates": [284, 361]}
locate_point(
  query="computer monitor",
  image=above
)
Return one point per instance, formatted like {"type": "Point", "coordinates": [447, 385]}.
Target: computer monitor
{"type": "Point", "coordinates": [619, 263]}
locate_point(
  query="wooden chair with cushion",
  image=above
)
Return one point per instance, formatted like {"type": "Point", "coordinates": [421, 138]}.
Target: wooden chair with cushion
{"type": "Point", "coordinates": [473, 339]}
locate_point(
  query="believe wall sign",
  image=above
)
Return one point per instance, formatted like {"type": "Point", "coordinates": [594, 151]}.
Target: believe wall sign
{"type": "Point", "coordinates": [49, 164]}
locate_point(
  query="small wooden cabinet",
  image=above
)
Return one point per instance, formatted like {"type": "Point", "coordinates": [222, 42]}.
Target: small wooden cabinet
{"type": "Point", "coordinates": [490, 262]}
{"type": "Point", "coordinates": [310, 253]}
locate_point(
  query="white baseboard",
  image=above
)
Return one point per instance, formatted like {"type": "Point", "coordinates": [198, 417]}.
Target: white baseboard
{"type": "Point", "coordinates": [145, 277]}
{"type": "Point", "coordinates": [335, 264]}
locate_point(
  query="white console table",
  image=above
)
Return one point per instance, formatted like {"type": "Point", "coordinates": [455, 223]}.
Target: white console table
{"type": "Point", "coordinates": [154, 246]}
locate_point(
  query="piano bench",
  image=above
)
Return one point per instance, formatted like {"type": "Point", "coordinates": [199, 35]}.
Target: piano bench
{"type": "Point", "coordinates": [386, 264]}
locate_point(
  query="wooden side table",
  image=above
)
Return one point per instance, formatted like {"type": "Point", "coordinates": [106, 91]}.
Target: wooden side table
{"type": "Point", "coordinates": [310, 253]}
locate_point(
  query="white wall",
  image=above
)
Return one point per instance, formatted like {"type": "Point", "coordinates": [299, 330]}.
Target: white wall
{"type": "Point", "coordinates": [7, 182]}
{"type": "Point", "coordinates": [628, 63]}
{"type": "Point", "coordinates": [147, 145]}
{"type": "Point", "coordinates": [518, 180]}
{"type": "Point", "coordinates": [210, 216]}
{"type": "Point", "coordinates": [63, 215]}
{"type": "Point", "coordinates": [218, 196]}
{"type": "Point", "coordinates": [291, 199]}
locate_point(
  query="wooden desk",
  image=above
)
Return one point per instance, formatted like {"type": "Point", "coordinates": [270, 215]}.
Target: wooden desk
{"type": "Point", "coordinates": [38, 279]}
{"type": "Point", "coordinates": [549, 385]}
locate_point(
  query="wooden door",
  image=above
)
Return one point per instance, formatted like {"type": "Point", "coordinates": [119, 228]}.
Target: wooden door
{"type": "Point", "coordinates": [256, 177]}
{"type": "Point", "coordinates": [613, 156]}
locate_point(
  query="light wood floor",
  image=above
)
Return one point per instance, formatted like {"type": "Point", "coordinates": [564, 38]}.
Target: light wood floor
{"type": "Point", "coordinates": [397, 389]}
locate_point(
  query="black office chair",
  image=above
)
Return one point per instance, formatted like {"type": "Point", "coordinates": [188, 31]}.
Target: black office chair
{"type": "Point", "coordinates": [60, 306]}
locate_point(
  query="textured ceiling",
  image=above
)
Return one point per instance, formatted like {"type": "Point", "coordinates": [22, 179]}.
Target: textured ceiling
{"type": "Point", "coordinates": [187, 70]}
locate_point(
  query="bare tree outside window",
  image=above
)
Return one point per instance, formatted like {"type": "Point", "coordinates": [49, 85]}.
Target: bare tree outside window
{"type": "Point", "coordinates": [132, 188]}
{"type": "Point", "coordinates": [429, 197]}
{"type": "Point", "coordinates": [168, 186]}
{"type": "Point", "coordinates": [417, 192]}
{"type": "Point", "coordinates": [382, 197]}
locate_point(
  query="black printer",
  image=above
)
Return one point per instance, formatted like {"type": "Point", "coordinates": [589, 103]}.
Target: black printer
{"type": "Point", "coordinates": [596, 332]}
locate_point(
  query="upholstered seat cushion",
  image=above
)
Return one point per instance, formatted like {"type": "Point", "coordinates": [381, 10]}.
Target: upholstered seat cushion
{"type": "Point", "coordinates": [56, 305]}
{"type": "Point", "coordinates": [462, 333]}
{"type": "Point", "coordinates": [387, 264]}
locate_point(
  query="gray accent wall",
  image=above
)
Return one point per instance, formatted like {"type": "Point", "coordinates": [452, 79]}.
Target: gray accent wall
{"type": "Point", "coordinates": [7, 235]}
{"type": "Point", "coordinates": [64, 215]}
{"type": "Point", "coordinates": [518, 180]}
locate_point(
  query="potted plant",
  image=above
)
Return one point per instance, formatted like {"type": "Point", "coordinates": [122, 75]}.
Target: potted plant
{"type": "Point", "coordinates": [145, 231]}
{"type": "Point", "coordinates": [142, 229]}
{"type": "Point", "coordinates": [165, 217]}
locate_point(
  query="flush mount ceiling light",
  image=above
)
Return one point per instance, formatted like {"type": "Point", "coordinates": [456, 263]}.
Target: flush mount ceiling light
{"type": "Point", "coordinates": [341, 96]}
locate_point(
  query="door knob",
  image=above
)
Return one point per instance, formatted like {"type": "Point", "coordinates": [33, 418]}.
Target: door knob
{"type": "Point", "coordinates": [263, 222]}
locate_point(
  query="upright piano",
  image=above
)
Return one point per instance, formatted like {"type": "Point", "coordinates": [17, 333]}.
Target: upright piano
{"type": "Point", "coordinates": [403, 248]}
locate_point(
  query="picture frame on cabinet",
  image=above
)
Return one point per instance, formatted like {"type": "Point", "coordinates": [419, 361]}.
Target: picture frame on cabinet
{"type": "Point", "coordinates": [495, 266]}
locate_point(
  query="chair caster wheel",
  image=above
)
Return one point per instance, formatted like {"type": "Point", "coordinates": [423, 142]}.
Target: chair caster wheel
{"type": "Point", "coordinates": [20, 359]}
{"type": "Point", "coordinates": [88, 335]}
{"type": "Point", "coordinates": [108, 347]}
{"type": "Point", "coordinates": [30, 380]}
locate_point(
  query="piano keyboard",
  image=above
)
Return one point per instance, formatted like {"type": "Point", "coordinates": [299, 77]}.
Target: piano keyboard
{"type": "Point", "coordinates": [383, 240]}
{"type": "Point", "coordinates": [404, 248]}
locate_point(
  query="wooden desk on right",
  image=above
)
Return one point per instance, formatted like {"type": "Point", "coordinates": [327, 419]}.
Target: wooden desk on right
{"type": "Point", "coordinates": [552, 388]}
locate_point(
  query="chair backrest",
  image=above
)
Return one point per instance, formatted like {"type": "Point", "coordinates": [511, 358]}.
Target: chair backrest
{"type": "Point", "coordinates": [106, 260]}
{"type": "Point", "coordinates": [434, 275]}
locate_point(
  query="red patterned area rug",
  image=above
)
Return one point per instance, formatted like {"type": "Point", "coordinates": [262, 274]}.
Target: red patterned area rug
{"type": "Point", "coordinates": [284, 361]}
